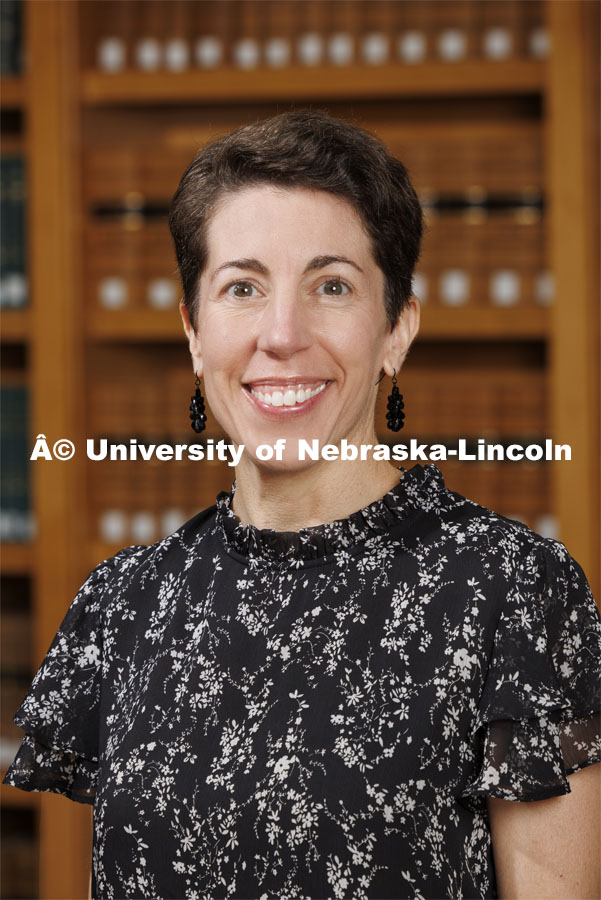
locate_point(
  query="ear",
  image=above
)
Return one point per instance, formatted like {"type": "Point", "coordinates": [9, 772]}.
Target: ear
{"type": "Point", "coordinates": [193, 340]}
{"type": "Point", "coordinates": [401, 337]}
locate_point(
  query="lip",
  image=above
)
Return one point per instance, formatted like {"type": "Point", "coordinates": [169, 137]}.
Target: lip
{"type": "Point", "coordinates": [293, 381]}
{"type": "Point", "coordinates": [280, 412]}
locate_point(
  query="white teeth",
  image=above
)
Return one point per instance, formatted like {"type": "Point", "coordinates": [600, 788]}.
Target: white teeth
{"type": "Point", "coordinates": [289, 397]}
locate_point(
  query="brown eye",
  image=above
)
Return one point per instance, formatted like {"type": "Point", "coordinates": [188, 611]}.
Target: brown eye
{"type": "Point", "coordinates": [243, 290]}
{"type": "Point", "coordinates": [335, 288]}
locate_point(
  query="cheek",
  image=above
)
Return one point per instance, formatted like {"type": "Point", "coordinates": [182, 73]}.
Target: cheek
{"type": "Point", "coordinates": [359, 346]}
{"type": "Point", "coordinates": [224, 360]}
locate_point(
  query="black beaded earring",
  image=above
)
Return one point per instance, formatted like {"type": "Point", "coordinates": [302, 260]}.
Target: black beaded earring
{"type": "Point", "coordinates": [197, 410]}
{"type": "Point", "coordinates": [395, 415]}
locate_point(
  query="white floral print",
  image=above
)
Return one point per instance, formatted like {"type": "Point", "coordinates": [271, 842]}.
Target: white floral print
{"type": "Point", "coordinates": [321, 714]}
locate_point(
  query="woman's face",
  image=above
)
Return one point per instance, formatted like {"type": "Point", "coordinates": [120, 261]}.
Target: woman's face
{"type": "Point", "coordinates": [292, 331]}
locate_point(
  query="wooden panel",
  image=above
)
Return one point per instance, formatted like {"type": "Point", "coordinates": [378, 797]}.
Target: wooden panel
{"type": "Point", "coordinates": [573, 187]}
{"type": "Point", "coordinates": [57, 363]}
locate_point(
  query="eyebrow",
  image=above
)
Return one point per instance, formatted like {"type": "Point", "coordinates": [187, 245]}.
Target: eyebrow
{"type": "Point", "coordinates": [254, 265]}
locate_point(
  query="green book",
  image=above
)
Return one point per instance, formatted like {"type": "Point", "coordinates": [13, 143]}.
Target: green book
{"type": "Point", "coordinates": [13, 275]}
{"type": "Point", "coordinates": [15, 515]}
{"type": "Point", "coordinates": [11, 47]}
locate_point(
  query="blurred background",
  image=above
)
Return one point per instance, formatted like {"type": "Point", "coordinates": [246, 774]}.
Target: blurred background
{"type": "Point", "coordinates": [493, 105]}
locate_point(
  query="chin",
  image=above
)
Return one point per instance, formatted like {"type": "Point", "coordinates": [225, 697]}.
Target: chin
{"type": "Point", "coordinates": [295, 465]}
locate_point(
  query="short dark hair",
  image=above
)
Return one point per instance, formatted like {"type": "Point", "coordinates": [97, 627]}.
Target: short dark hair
{"type": "Point", "coordinates": [303, 149]}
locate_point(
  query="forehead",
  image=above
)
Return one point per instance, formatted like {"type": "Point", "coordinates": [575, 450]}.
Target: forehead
{"type": "Point", "coordinates": [264, 219]}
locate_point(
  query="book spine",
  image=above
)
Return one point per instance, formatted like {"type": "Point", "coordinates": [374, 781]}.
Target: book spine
{"type": "Point", "coordinates": [499, 29]}
{"type": "Point", "coordinates": [112, 23]}
{"type": "Point", "coordinates": [310, 46]}
{"type": "Point", "coordinates": [15, 515]}
{"type": "Point", "coordinates": [150, 28]}
{"type": "Point", "coordinates": [342, 32]}
{"type": "Point", "coordinates": [280, 32]}
{"type": "Point", "coordinates": [13, 276]}
{"type": "Point", "coordinates": [177, 46]}
{"type": "Point", "coordinates": [11, 45]}
{"type": "Point", "coordinates": [377, 31]}
{"type": "Point", "coordinates": [245, 48]}
{"type": "Point", "coordinates": [211, 30]}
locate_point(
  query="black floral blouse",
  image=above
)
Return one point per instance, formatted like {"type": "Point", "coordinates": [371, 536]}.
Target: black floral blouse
{"type": "Point", "coordinates": [321, 714]}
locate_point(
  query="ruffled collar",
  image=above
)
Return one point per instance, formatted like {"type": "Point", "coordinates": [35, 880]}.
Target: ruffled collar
{"type": "Point", "coordinates": [421, 487]}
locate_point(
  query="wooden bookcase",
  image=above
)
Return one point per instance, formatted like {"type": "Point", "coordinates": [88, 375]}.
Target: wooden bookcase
{"type": "Point", "coordinates": [65, 105]}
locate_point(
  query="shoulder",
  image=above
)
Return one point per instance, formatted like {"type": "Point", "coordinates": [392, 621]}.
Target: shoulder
{"type": "Point", "coordinates": [514, 546]}
{"type": "Point", "coordinates": [138, 564]}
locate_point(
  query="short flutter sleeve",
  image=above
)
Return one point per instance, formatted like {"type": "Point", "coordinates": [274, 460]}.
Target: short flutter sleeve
{"type": "Point", "coordinates": [59, 714]}
{"type": "Point", "coordinates": [538, 715]}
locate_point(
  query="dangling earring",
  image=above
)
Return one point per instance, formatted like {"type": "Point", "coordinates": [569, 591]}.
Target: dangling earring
{"type": "Point", "coordinates": [197, 409]}
{"type": "Point", "coordinates": [395, 415]}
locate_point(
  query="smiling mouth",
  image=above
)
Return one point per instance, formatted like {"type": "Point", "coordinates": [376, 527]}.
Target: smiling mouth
{"type": "Point", "coordinates": [286, 395]}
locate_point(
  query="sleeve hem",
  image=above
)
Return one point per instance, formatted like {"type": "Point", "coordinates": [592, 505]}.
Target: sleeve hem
{"type": "Point", "coordinates": [578, 767]}
{"type": "Point", "coordinates": [88, 801]}
{"type": "Point", "coordinates": [33, 730]}
{"type": "Point", "coordinates": [37, 767]}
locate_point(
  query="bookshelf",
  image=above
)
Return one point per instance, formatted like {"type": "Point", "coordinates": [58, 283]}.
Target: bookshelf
{"type": "Point", "coordinates": [74, 118]}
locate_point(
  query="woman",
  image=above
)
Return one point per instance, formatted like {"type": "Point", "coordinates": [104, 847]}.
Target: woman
{"type": "Point", "coordinates": [338, 680]}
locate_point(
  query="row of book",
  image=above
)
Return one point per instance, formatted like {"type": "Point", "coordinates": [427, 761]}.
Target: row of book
{"type": "Point", "coordinates": [470, 158]}
{"type": "Point", "coordinates": [439, 403]}
{"type": "Point", "coordinates": [13, 272]}
{"type": "Point", "coordinates": [176, 35]}
{"type": "Point", "coordinates": [465, 164]}
{"type": "Point", "coordinates": [141, 501]}
{"type": "Point", "coordinates": [494, 263]}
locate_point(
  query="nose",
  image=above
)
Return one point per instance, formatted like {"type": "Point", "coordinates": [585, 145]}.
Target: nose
{"type": "Point", "coordinates": [284, 328]}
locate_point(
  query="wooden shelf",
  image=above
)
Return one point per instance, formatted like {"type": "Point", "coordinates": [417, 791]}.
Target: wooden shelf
{"type": "Point", "coordinates": [16, 559]}
{"type": "Point", "coordinates": [438, 323]}
{"type": "Point", "coordinates": [13, 91]}
{"type": "Point", "coordinates": [320, 82]}
{"type": "Point", "coordinates": [135, 325]}
{"type": "Point", "coordinates": [484, 323]}
{"type": "Point", "coordinates": [14, 325]}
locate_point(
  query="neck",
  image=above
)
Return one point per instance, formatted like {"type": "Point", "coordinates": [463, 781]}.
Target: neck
{"type": "Point", "coordinates": [327, 490]}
